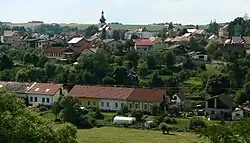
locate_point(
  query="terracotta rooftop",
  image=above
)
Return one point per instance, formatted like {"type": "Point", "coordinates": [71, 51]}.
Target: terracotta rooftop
{"type": "Point", "coordinates": [118, 93]}
{"type": "Point", "coordinates": [147, 95]}
{"type": "Point", "coordinates": [101, 92]}
{"type": "Point", "coordinates": [44, 88]}
{"type": "Point", "coordinates": [55, 50]}
{"type": "Point", "coordinates": [143, 42]}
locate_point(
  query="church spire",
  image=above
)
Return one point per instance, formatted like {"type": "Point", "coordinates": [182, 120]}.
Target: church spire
{"type": "Point", "coordinates": [103, 20]}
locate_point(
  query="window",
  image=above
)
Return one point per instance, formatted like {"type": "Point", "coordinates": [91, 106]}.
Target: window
{"type": "Point", "coordinates": [145, 106]}
{"type": "Point", "coordinates": [130, 105]}
{"type": "Point", "coordinates": [43, 99]}
{"type": "Point", "coordinates": [47, 100]}
{"type": "Point", "coordinates": [31, 99]}
{"type": "Point", "coordinates": [102, 104]}
{"type": "Point", "coordinates": [93, 103]}
{"type": "Point", "coordinates": [35, 99]}
{"type": "Point", "coordinates": [107, 104]}
{"type": "Point", "coordinates": [116, 105]}
{"type": "Point", "coordinates": [88, 102]}
{"type": "Point", "coordinates": [136, 106]}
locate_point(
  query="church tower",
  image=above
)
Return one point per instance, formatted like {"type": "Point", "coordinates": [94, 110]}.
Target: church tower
{"type": "Point", "coordinates": [102, 20]}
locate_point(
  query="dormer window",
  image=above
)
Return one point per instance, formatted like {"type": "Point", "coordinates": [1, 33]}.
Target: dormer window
{"type": "Point", "coordinates": [47, 90]}
{"type": "Point", "coordinates": [36, 89]}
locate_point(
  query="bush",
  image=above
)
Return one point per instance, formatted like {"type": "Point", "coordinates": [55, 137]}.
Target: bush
{"type": "Point", "coordinates": [137, 114]}
{"type": "Point", "coordinates": [196, 124]}
{"type": "Point", "coordinates": [85, 123]}
{"type": "Point", "coordinates": [170, 121]}
{"type": "Point", "coordinates": [164, 128]}
{"type": "Point", "coordinates": [159, 119]}
{"type": "Point", "coordinates": [95, 114]}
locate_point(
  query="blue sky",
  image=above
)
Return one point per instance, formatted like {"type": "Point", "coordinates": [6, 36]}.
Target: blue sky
{"type": "Point", "coordinates": [125, 11]}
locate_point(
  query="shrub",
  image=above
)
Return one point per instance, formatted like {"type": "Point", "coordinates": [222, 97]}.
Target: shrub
{"type": "Point", "coordinates": [95, 114]}
{"type": "Point", "coordinates": [196, 124]}
{"type": "Point", "coordinates": [137, 114]}
{"type": "Point", "coordinates": [164, 128]}
{"type": "Point", "coordinates": [85, 123]}
{"type": "Point", "coordinates": [159, 119]}
{"type": "Point", "coordinates": [170, 121]}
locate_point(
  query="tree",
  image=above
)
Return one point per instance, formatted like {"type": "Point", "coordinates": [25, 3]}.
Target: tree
{"type": "Point", "coordinates": [170, 26]}
{"type": "Point", "coordinates": [123, 110]}
{"type": "Point", "coordinates": [116, 35]}
{"type": "Point", "coordinates": [156, 80]}
{"type": "Point", "coordinates": [50, 70]}
{"type": "Point", "coordinates": [213, 27]}
{"type": "Point", "coordinates": [218, 84]}
{"type": "Point", "coordinates": [18, 124]}
{"type": "Point", "coordinates": [155, 110]}
{"type": "Point", "coordinates": [70, 109]}
{"type": "Point", "coordinates": [169, 59]}
{"type": "Point", "coordinates": [143, 70]}
{"type": "Point", "coordinates": [90, 30]}
{"type": "Point", "coordinates": [108, 80]}
{"type": "Point", "coordinates": [121, 75]}
{"type": "Point", "coordinates": [233, 132]}
{"type": "Point", "coordinates": [137, 114]}
{"type": "Point", "coordinates": [5, 62]}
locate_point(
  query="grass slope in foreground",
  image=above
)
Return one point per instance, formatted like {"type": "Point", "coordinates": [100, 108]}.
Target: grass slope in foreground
{"type": "Point", "coordinates": [124, 135]}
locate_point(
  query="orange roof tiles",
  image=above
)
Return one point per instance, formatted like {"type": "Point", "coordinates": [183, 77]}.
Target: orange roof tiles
{"type": "Point", "coordinates": [118, 93]}
{"type": "Point", "coordinates": [143, 42]}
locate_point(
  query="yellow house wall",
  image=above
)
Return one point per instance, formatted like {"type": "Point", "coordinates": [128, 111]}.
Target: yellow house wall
{"type": "Point", "coordinates": [140, 106]}
{"type": "Point", "coordinates": [89, 102]}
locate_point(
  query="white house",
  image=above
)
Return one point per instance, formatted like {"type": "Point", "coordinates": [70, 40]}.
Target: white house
{"type": "Point", "coordinates": [140, 33]}
{"type": "Point", "coordinates": [111, 44]}
{"type": "Point", "coordinates": [143, 44]}
{"type": "Point", "coordinates": [45, 93]}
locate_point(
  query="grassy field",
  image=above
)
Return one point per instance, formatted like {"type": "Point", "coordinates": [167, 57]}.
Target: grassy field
{"type": "Point", "coordinates": [124, 135]}
{"type": "Point", "coordinates": [83, 26]}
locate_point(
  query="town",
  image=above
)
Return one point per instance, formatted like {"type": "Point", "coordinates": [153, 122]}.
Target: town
{"type": "Point", "coordinates": [63, 83]}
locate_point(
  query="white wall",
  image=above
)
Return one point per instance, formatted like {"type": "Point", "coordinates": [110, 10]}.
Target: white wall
{"type": "Point", "coordinates": [145, 34]}
{"type": "Point", "coordinates": [112, 104]}
{"type": "Point", "coordinates": [39, 99]}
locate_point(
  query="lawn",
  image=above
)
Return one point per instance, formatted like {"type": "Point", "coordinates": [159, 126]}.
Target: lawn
{"type": "Point", "coordinates": [125, 135]}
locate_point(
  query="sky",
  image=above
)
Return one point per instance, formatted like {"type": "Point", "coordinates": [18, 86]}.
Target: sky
{"type": "Point", "coordinates": [123, 11]}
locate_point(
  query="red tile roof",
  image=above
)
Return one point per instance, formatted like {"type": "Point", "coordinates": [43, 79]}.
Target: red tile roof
{"type": "Point", "coordinates": [55, 50]}
{"type": "Point", "coordinates": [101, 92]}
{"type": "Point", "coordinates": [147, 95]}
{"type": "Point", "coordinates": [143, 42]}
{"type": "Point", "coordinates": [118, 93]}
{"type": "Point", "coordinates": [44, 88]}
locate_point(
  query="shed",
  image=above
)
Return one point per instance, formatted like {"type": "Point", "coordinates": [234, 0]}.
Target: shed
{"type": "Point", "coordinates": [123, 120]}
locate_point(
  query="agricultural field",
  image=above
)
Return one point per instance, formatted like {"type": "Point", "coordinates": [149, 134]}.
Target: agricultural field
{"type": "Point", "coordinates": [84, 26]}
{"type": "Point", "coordinates": [125, 135]}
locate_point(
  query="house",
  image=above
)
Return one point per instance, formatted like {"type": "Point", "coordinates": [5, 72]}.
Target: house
{"type": "Point", "coordinates": [11, 38]}
{"type": "Point", "coordinates": [143, 44]}
{"type": "Point", "coordinates": [113, 98]}
{"type": "Point", "coordinates": [45, 93]}
{"type": "Point", "coordinates": [240, 113]}
{"type": "Point", "coordinates": [19, 88]}
{"type": "Point", "coordinates": [43, 44]}
{"type": "Point", "coordinates": [241, 40]}
{"type": "Point", "coordinates": [143, 99]}
{"type": "Point", "coordinates": [226, 49]}
{"type": "Point", "coordinates": [59, 53]}
{"type": "Point", "coordinates": [220, 106]}
{"type": "Point", "coordinates": [140, 33]}
{"type": "Point", "coordinates": [223, 33]}
{"type": "Point", "coordinates": [199, 56]}
{"type": "Point", "coordinates": [79, 42]}
{"type": "Point", "coordinates": [104, 98]}
{"type": "Point", "coordinates": [178, 99]}
{"type": "Point", "coordinates": [111, 44]}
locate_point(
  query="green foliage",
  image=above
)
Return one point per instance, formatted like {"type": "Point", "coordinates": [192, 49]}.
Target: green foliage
{"type": "Point", "coordinates": [234, 132]}
{"type": "Point", "coordinates": [123, 110]}
{"type": "Point", "coordinates": [155, 110]}
{"type": "Point", "coordinates": [213, 27]}
{"type": "Point", "coordinates": [116, 35]}
{"type": "Point", "coordinates": [95, 114]}
{"type": "Point", "coordinates": [143, 70]}
{"type": "Point", "coordinates": [196, 123]}
{"type": "Point", "coordinates": [137, 114]}
{"type": "Point", "coordinates": [90, 30]}
{"type": "Point", "coordinates": [164, 128]}
{"type": "Point", "coordinates": [18, 124]}
{"type": "Point", "coordinates": [218, 84]}
{"type": "Point", "coordinates": [170, 121]}
{"type": "Point", "coordinates": [156, 80]}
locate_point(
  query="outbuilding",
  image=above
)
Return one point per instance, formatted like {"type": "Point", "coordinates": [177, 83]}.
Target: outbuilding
{"type": "Point", "coordinates": [123, 120]}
